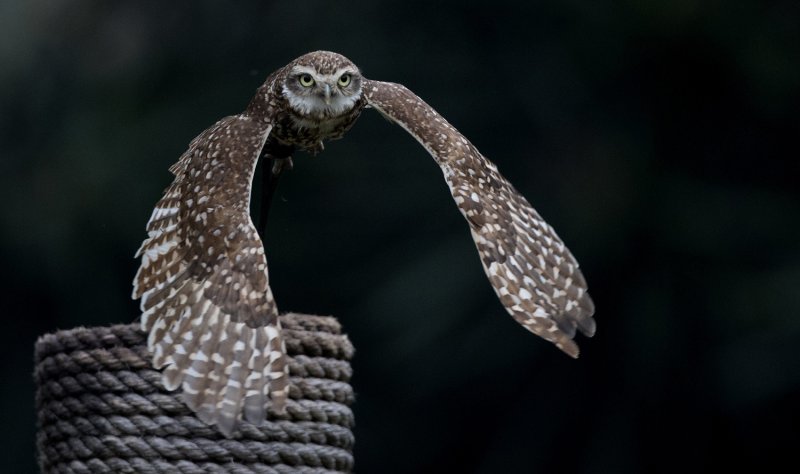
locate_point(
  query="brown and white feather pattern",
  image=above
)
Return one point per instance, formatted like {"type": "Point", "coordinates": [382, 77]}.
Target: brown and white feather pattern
{"type": "Point", "coordinates": [533, 273]}
{"type": "Point", "coordinates": [205, 296]}
{"type": "Point", "coordinates": [203, 282]}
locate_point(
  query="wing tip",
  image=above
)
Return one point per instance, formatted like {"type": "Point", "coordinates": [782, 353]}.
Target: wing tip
{"type": "Point", "coordinates": [253, 409]}
{"type": "Point", "coordinates": [226, 425]}
{"type": "Point", "coordinates": [242, 397]}
{"type": "Point", "coordinates": [587, 326]}
{"type": "Point", "coordinates": [552, 331]}
{"type": "Point", "coordinates": [569, 347]}
{"type": "Point", "coordinates": [585, 320]}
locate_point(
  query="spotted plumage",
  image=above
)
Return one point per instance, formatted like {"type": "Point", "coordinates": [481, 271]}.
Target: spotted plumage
{"type": "Point", "coordinates": [203, 282]}
{"type": "Point", "coordinates": [533, 273]}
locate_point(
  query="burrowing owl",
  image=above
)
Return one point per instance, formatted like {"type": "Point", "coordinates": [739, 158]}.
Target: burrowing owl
{"type": "Point", "coordinates": [205, 296]}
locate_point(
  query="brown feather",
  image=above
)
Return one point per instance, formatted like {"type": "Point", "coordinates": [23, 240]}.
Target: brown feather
{"type": "Point", "coordinates": [533, 273]}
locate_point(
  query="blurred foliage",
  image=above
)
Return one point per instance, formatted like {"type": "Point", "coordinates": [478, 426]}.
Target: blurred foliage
{"type": "Point", "coordinates": [658, 138]}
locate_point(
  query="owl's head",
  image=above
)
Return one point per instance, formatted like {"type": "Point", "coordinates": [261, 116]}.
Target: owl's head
{"type": "Point", "coordinates": [322, 85]}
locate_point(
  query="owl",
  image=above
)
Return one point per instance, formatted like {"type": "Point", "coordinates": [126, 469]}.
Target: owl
{"type": "Point", "coordinates": [206, 303]}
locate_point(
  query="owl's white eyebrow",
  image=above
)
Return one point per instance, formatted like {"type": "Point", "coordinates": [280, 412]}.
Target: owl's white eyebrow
{"type": "Point", "coordinates": [346, 69]}
{"type": "Point", "coordinates": [309, 70]}
{"type": "Point", "coordinates": [303, 70]}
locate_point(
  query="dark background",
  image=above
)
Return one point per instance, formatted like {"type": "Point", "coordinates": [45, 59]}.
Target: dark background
{"type": "Point", "coordinates": [658, 138]}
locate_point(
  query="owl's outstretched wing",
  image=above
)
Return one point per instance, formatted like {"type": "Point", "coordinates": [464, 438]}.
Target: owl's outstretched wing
{"type": "Point", "coordinates": [535, 276]}
{"type": "Point", "coordinates": [203, 282]}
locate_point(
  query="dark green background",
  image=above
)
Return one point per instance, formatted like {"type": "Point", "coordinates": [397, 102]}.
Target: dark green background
{"type": "Point", "coordinates": [658, 138]}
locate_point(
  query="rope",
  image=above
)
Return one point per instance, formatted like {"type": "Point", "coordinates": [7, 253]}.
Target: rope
{"type": "Point", "coordinates": [102, 408]}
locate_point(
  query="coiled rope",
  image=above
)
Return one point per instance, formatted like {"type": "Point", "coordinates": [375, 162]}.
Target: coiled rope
{"type": "Point", "coordinates": [102, 408]}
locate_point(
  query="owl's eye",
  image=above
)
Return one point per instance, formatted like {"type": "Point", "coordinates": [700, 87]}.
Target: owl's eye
{"type": "Point", "coordinates": [306, 80]}
{"type": "Point", "coordinates": [344, 80]}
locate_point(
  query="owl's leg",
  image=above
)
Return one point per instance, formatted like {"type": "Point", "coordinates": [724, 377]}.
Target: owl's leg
{"type": "Point", "coordinates": [316, 149]}
{"type": "Point", "coordinates": [277, 160]}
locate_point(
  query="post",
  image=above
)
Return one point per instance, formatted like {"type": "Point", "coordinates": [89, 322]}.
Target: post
{"type": "Point", "coordinates": [102, 408]}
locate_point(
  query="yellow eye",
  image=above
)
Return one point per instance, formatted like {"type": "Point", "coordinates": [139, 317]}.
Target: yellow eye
{"type": "Point", "coordinates": [344, 80]}
{"type": "Point", "coordinates": [306, 80]}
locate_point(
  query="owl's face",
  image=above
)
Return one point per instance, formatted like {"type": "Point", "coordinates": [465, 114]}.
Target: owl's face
{"type": "Point", "coordinates": [322, 85]}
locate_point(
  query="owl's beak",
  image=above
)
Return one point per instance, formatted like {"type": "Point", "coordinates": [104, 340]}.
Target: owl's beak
{"type": "Point", "coordinates": [327, 94]}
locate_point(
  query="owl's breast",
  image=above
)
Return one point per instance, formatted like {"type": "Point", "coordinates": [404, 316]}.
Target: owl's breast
{"type": "Point", "coordinates": [307, 131]}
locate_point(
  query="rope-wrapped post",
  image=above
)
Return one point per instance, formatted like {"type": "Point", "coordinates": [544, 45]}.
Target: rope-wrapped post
{"type": "Point", "coordinates": [102, 408]}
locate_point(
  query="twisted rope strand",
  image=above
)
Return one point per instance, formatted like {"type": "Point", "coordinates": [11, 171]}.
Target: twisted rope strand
{"type": "Point", "coordinates": [146, 466]}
